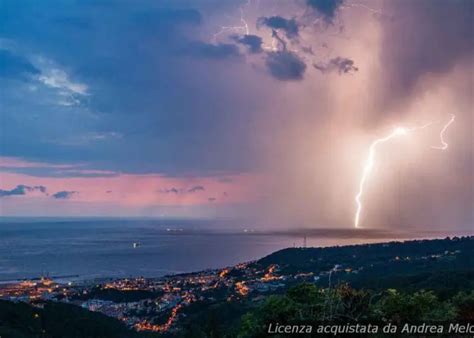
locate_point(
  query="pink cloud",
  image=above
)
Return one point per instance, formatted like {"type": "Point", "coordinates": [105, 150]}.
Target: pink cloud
{"type": "Point", "coordinates": [109, 192]}
{"type": "Point", "coordinates": [135, 191]}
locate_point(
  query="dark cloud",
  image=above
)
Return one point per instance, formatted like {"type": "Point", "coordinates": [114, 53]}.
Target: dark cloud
{"type": "Point", "coordinates": [212, 199]}
{"type": "Point", "coordinates": [196, 188]}
{"type": "Point", "coordinates": [63, 194]}
{"type": "Point", "coordinates": [338, 64]}
{"type": "Point", "coordinates": [327, 8]}
{"type": "Point", "coordinates": [424, 37]}
{"type": "Point", "coordinates": [172, 190]}
{"type": "Point", "coordinates": [285, 66]}
{"type": "Point", "coordinates": [253, 42]}
{"type": "Point", "coordinates": [289, 26]}
{"type": "Point", "coordinates": [40, 188]}
{"type": "Point", "coordinates": [307, 50]}
{"type": "Point", "coordinates": [22, 189]}
{"type": "Point", "coordinates": [12, 65]}
{"type": "Point", "coordinates": [280, 40]}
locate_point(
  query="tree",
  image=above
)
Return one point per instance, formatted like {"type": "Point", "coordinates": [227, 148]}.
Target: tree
{"type": "Point", "coordinates": [400, 307]}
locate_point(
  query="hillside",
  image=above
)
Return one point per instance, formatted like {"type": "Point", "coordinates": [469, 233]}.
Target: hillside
{"type": "Point", "coordinates": [444, 265]}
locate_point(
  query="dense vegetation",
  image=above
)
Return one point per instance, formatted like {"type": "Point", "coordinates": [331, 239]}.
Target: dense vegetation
{"type": "Point", "coordinates": [310, 305]}
{"type": "Point", "coordinates": [57, 320]}
{"type": "Point", "coordinates": [445, 266]}
{"type": "Point", "coordinates": [306, 304]}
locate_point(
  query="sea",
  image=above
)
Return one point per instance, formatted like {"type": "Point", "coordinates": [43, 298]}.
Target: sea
{"type": "Point", "coordinates": [88, 249]}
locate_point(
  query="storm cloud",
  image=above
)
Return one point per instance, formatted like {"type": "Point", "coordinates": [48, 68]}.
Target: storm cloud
{"type": "Point", "coordinates": [285, 66]}
{"type": "Point", "coordinates": [152, 100]}
{"type": "Point", "coordinates": [196, 188]}
{"type": "Point", "coordinates": [64, 194]}
{"type": "Point", "coordinates": [252, 42]}
{"type": "Point", "coordinates": [21, 190]}
{"type": "Point", "coordinates": [172, 190]}
{"type": "Point", "coordinates": [327, 8]}
{"type": "Point", "coordinates": [338, 64]}
{"type": "Point", "coordinates": [289, 26]}
{"type": "Point", "coordinates": [424, 37]}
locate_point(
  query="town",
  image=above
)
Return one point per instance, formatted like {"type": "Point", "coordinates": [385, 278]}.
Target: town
{"type": "Point", "coordinates": [158, 304]}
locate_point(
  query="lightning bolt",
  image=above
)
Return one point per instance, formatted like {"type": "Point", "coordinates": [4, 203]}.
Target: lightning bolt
{"type": "Point", "coordinates": [369, 164]}
{"type": "Point", "coordinates": [444, 145]}
{"type": "Point", "coordinates": [276, 43]}
{"type": "Point", "coordinates": [363, 6]}
{"type": "Point", "coordinates": [370, 161]}
{"type": "Point", "coordinates": [244, 27]}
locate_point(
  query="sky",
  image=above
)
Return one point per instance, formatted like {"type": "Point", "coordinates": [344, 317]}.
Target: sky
{"type": "Point", "coordinates": [255, 110]}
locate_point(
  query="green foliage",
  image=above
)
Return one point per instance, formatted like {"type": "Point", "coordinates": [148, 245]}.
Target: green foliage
{"type": "Point", "coordinates": [309, 305]}
{"type": "Point", "coordinates": [408, 308]}
{"type": "Point", "coordinates": [464, 302]}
